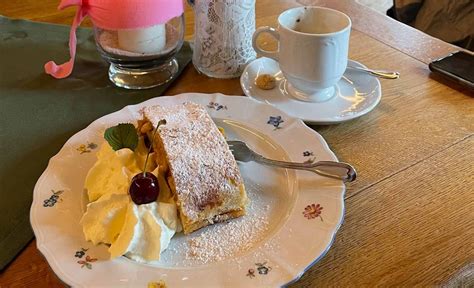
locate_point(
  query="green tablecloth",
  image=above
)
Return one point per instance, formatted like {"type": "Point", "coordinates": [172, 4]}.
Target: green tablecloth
{"type": "Point", "coordinates": [39, 113]}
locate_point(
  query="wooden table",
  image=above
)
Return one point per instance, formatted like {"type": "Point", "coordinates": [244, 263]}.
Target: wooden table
{"type": "Point", "coordinates": [410, 215]}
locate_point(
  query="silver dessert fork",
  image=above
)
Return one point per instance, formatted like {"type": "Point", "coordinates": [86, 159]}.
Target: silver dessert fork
{"type": "Point", "coordinates": [332, 169]}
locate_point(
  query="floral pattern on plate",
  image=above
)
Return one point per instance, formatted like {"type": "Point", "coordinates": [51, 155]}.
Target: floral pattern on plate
{"type": "Point", "coordinates": [275, 121]}
{"type": "Point", "coordinates": [80, 253]}
{"type": "Point", "coordinates": [216, 106]}
{"type": "Point", "coordinates": [86, 148]}
{"type": "Point", "coordinates": [262, 269]}
{"type": "Point", "coordinates": [53, 199]}
{"type": "Point", "coordinates": [313, 211]}
{"type": "Point", "coordinates": [85, 262]}
{"type": "Point", "coordinates": [309, 154]}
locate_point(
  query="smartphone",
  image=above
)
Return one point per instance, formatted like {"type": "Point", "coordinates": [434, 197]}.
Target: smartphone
{"type": "Point", "coordinates": [458, 66]}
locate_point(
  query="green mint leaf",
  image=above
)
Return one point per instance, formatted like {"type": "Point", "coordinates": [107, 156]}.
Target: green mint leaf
{"type": "Point", "coordinates": [123, 135]}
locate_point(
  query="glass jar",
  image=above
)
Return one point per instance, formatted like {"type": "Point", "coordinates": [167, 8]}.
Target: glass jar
{"type": "Point", "coordinates": [223, 36]}
{"type": "Point", "coordinates": [142, 58]}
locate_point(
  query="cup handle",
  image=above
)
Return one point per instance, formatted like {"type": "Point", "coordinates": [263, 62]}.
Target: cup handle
{"type": "Point", "coordinates": [272, 31]}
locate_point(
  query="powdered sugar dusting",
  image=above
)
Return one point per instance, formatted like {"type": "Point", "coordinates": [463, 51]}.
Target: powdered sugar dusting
{"type": "Point", "coordinates": [252, 235]}
{"type": "Point", "coordinates": [224, 240]}
{"type": "Point", "coordinates": [203, 168]}
{"type": "Point", "coordinates": [229, 239]}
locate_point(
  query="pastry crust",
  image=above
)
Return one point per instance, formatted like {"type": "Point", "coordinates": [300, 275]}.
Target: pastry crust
{"type": "Point", "coordinates": [202, 172]}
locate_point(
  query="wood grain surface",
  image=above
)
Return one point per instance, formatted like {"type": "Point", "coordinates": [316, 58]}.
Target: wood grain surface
{"type": "Point", "coordinates": [393, 33]}
{"type": "Point", "coordinates": [412, 229]}
{"type": "Point", "coordinates": [410, 214]}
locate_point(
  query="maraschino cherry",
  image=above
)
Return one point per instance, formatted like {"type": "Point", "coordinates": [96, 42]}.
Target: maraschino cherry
{"type": "Point", "coordinates": [144, 187]}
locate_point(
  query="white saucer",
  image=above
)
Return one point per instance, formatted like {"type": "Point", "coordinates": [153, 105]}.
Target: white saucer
{"type": "Point", "coordinates": [357, 93]}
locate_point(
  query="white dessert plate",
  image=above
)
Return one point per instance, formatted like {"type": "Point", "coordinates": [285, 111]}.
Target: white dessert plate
{"type": "Point", "coordinates": [357, 93]}
{"type": "Point", "coordinates": [290, 224]}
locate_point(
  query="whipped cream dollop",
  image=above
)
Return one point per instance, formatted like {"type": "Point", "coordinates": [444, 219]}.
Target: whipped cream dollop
{"type": "Point", "coordinates": [144, 234]}
{"type": "Point", "coordinates": [113, 170]}
{"type": "Point", "coordinates": [140, 232]}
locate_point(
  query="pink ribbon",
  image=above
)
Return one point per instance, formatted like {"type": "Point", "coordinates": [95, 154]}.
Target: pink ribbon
{"type": "Point", "coordinates": [113, 15]}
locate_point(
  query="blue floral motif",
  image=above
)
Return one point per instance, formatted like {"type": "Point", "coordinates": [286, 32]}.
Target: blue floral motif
{"type": "Point", "coordinates": [53, 199]}
{"type": "Point", "coordinates": [91, 145]}
{"type": "Point", "coordinates": [83, 148]}
{"type": "Point", "coordinates": [81, 253]}
{"type": "Point", "coordinates": [87, 262]}
{"type": "Point", "coordinates": [217, 106]}
{"type": "Point", "coordinates": [275, 121]}
{"type": "Point", "coordinates": [308, 153]}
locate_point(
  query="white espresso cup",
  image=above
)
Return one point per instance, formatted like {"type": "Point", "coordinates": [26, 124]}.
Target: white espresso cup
{"type": "Point", "coordinates": [313, 45]}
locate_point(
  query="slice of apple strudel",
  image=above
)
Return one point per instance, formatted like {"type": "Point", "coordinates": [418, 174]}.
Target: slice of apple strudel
{"type": "Point", "coordinates": [201, 170]}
